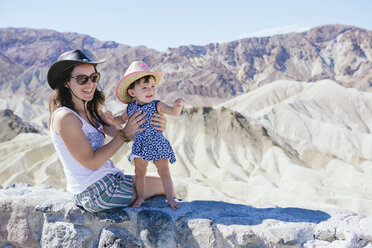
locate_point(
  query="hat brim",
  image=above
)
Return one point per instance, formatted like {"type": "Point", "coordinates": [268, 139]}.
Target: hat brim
{"type": "Point", "coordinates": [56, 70]}
{"type": "Point", "coordinates": [123, 84]}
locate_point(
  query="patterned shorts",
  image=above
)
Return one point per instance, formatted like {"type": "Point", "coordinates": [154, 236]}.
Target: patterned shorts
{"type": "Point", "coordinates": [111, 191]}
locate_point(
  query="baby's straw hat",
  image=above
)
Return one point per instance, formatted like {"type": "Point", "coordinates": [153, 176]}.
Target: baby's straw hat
{"type": "Point", "coordinates": [136, 70]}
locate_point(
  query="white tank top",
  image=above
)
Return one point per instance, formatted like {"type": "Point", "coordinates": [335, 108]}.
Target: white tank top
{"type": "Point", "coordinates": [77, 175]}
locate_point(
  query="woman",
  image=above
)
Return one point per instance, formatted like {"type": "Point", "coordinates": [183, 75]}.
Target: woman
{"type": "Point", "coordinates": [78, 129]}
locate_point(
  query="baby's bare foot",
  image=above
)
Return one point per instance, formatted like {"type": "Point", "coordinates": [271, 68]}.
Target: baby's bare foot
{"type": "Point", "coordinates": [138, 202]}
{"type": "Point", "coordinates": [173, 204]}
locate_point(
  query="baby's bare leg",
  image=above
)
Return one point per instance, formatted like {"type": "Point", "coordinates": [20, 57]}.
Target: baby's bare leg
{"type": "Point", "coordinates": [164, 173]}
{"type": "Point", "coordinates": [140, 181]}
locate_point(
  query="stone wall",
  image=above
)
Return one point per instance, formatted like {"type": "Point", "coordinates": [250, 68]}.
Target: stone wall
{"type": "Point", "coordinates": [46, 217]}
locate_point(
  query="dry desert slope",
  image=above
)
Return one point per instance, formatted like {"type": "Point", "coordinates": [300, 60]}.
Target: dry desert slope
{"type": "Point", "coordinates": [287, 144]}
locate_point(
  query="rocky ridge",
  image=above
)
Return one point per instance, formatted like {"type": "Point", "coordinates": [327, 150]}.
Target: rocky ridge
{"type": "Point", "coordinates": [11, 125]}
{"type": "Point", "coordinates": [204, 75]}
{"type": "Point", "coordinates": [46, 217]}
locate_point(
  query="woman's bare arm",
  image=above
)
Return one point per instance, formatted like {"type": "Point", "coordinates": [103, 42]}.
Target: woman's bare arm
{"type": "Point", "coordinates": [68, 127]}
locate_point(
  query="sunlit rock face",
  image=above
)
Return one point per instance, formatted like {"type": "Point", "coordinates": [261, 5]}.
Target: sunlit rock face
{"type": "Point", "coordinates": [46, 217]}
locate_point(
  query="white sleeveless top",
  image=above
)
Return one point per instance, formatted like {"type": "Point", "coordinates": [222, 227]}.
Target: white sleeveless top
{"type": "Point", "coordinates": [77, 175]}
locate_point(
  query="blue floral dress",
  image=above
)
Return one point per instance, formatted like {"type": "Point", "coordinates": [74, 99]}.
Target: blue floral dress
{"type": "Point", "coordinates": [150, 145]}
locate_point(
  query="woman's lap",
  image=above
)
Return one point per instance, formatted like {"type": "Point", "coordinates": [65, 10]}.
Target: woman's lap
{"type": "Point", "coordinates": [109, 192]}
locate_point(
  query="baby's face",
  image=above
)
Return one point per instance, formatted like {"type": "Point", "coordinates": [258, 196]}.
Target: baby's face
{"type": "Point", "coordinates": [145, 92]}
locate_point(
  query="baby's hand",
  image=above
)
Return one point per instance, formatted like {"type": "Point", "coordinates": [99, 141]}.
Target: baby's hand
{"type": "Point", "coordinates": [179, 102]}
{"type": "Point", "coordinates": [109, 117]}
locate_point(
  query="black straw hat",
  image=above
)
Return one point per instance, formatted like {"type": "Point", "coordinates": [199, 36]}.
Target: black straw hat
{"type": "Point", "coordinates": [65, 61]}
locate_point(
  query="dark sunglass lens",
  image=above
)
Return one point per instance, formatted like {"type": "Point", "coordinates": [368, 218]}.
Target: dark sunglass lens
{"type": "Point", "coordinates": [82, 79]}
{"type": "Point", "coordinates": [94, 77]}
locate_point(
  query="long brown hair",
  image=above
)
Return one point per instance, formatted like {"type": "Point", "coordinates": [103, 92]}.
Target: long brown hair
{"type": "Point", "coordinates": [62, 97]}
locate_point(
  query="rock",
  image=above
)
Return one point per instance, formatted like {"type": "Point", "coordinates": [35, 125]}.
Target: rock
{"type": "Point", "coordinates": [114, 237]}
{"type": "Point", "coordinates": [20, 223]}
{"type": "Point", "coordinates": [155, 228]}
{"type": "Point", "coordinates": [64, 234]}
{"type": "Point", "coordinates": [47, 217]}
{"type": "Point", "coordinates": [11, 125]}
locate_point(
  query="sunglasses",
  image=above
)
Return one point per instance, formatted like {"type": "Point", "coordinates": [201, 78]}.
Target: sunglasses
{"type": "Point", "coordinates": [83, 79]}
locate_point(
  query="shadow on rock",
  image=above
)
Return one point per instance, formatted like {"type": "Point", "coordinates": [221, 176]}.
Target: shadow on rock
{"type": "Point", "coordinates": [229, 213]}
{"type": "Point", "coordinates": [237, 214]}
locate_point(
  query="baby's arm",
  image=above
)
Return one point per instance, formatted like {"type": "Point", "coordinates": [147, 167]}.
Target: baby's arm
{"type": "Point", "coordinates": [175, 110]}
{"type": "Point", "coordinates": [117, 120]}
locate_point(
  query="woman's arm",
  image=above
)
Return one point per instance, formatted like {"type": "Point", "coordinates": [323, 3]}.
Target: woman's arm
{"type": "Point", "coordinates": [68, 127]}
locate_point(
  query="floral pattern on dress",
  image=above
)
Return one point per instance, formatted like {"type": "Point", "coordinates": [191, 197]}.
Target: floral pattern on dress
{"type": "Point", "coordinates": [150, 144]}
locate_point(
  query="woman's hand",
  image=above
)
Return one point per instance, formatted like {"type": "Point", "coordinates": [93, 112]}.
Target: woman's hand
{"type": "Point", "coordinates": [159, 122]}
{"type": "Point", "coordinates": [133, 124]}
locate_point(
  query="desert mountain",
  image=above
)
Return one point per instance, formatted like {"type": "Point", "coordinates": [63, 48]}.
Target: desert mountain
{"type": "Point", "coordinates": [286, 143]}
{"type": "Point", "coordinates": [203, 75]}
{"type": "Point", "coordinates": [282, 120]}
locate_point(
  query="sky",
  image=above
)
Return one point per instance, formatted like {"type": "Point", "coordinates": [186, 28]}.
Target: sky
{"type": "Point", "coordinates": [160, 24]}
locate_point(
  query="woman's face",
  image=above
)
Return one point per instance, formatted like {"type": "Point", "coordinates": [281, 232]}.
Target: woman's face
{"type": "Point", "coordinates": [85, 91]}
